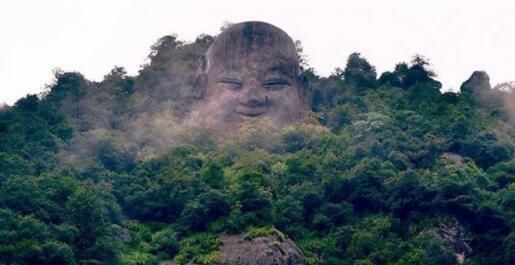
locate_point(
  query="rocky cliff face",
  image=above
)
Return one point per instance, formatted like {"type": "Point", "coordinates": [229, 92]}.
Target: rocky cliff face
{"type": "Point", "coordinates": [478, 82]}
{"type": "Point", "coordinates": [263, 250]}
{"type": "Point", "coordinates": [237, 250]}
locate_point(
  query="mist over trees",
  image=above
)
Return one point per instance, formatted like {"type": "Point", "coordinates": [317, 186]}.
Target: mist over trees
{"type": "Point", "coordinates": [389, 170]}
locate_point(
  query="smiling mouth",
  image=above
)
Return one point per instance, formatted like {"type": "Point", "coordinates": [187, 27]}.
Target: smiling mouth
{"type": "Point", "coordinates": [250, 112]}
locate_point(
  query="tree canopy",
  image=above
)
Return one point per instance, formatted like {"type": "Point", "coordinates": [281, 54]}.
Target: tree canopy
{"type": "Point", "coordinates": [388, 170]}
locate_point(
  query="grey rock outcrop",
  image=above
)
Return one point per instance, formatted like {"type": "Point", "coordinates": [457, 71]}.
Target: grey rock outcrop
{"type": "Point", "coordinates": [263, 250]}
{"type": "Point", "coordinates": [237, 250]}
{"type": "Point", "coordinates": [454, 158]}
{"type": "Point", "coordinates": [478, 82]}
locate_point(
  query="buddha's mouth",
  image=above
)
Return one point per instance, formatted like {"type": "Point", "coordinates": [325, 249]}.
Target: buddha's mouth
{"type": "Point", "coordinates": [250, 112]}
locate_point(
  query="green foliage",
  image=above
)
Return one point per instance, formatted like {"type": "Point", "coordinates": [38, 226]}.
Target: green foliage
{"type": "Point", "coordinates": [138, 258]}
{"type": "Point", "coordinates": [254, 232]}
{"type": "Point", "coordinates": [92, 215]}
{"type": "Point", "coordinates": [25, 240]}
{"type": "Point", "coordinates": [201, 248]}
{"type": "Point", "coordinates": [510, 248]}
{"type": "Point", "coordinates": [164, 244]}
{"type": "Point", "coordinates": [387, 171]}
{"type": "Point", "coordinates": [359, 72]}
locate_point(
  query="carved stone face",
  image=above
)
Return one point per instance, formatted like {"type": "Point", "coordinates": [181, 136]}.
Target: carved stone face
{"type": "Point", "coordinates": [252, 72]}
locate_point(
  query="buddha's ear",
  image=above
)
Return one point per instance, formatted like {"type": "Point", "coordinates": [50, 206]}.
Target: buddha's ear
{"type": "Point", "coordinates": [304, 90]}
{"type": "Point", "coordinates": [303, 84]}
{"type": "Point", "coordinates": [200, 85]}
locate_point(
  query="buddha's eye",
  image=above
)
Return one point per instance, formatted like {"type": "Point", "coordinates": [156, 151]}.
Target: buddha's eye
{"type": "Point", "coordinates": [275, 84]}
{"type": "Point", "coordinates": [231, 83]}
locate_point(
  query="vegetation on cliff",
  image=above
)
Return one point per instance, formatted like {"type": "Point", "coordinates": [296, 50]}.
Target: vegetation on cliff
{"type": "Point", "coordinates": [389, 170]}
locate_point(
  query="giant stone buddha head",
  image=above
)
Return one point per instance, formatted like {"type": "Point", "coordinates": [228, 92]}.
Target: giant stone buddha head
{"type": "Point", "coordinates": [250, 72]}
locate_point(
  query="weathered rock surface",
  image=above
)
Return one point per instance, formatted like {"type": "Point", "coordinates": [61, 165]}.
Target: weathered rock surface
{"type": "Point", "coordinates": [250, 72]}
{"type": "Point", "coordinates": [453, 157]}
{"type": "Point", "coordinates": [266, 250]}
{"type": "Point", "coordinates": [236, 250]}
{"type": "Point", "coordinates": [478, 82]}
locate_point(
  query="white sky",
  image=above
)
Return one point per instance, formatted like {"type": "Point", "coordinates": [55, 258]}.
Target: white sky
{"type": "Point", "coordinates": [92, 36]}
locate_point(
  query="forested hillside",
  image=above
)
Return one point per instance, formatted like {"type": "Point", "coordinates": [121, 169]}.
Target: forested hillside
{"type": "Point", "coordinates": [389, 170]}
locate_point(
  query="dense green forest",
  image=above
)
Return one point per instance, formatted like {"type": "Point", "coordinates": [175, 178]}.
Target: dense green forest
{"type": "Point", "coordinates": [389, 170]}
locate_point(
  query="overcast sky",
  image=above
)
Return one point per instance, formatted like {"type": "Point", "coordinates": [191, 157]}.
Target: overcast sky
{"type": "Point", "coordinates": [92, 36]}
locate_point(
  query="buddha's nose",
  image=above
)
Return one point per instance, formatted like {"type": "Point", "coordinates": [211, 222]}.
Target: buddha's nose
{"type": "Point", "coordinates": [253, 95]}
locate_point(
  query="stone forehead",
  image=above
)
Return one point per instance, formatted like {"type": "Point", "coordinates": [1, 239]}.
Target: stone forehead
{"type": "Point", "coordinates": [244, 39]}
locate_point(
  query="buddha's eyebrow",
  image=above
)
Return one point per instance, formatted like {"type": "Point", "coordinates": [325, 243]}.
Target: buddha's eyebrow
{"type": "Point", "coordinates": [284, 69]}
{"type": "Point", "coordinates": [283, 66]}
{"type": "Point", "coordinates": [229, 74]}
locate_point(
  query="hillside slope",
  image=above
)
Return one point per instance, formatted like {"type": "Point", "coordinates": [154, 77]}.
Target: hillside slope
{"type": "Point", "coordinates": [389, 170]}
